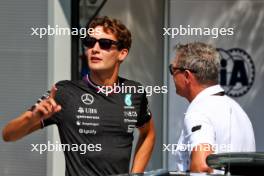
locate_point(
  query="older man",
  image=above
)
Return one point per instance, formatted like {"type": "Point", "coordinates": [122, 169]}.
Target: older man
{"type": "Point", "coordinates": [213, 122]}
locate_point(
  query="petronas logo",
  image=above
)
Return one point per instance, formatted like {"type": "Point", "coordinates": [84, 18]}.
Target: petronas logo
{"type": "Point", "coordinates": [128, 101]}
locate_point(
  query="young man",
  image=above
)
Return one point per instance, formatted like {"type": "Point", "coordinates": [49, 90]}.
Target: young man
{"type": "Point", "coordinates": [85, 115]}
{"type": "Point", "coordinates": [213, 121]}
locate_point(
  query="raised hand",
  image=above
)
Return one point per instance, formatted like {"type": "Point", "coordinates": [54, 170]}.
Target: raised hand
{"type": "Point", "coordinates": [47, 107]}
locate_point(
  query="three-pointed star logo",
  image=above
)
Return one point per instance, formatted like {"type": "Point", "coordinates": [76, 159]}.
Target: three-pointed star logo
{"type": "Point", "coordinates": [87, 99]}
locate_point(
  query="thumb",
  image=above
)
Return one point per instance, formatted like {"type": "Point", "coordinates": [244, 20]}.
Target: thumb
{"type": "Point", "coordinates": [58, 108]}
{"type": "Point", "coordinates": [53, 91]}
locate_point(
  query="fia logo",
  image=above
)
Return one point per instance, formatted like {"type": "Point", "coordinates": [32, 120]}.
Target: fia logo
{"type": "Point", "coordinates": [128, 100]}
{"type": "Point", "coordinates": [237, 72]}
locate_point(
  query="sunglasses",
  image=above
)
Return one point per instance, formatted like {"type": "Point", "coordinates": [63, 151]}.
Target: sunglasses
{"type": "Point", "coordinates": [104, 44]}
{"type": "Point", "coordinates": [173, 69]}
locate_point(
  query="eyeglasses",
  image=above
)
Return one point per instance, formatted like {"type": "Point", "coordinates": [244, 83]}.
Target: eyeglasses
{"type": "Point", "coordinates": [104, 44]}
{"type": "Point", "coordinates": [173, 69]}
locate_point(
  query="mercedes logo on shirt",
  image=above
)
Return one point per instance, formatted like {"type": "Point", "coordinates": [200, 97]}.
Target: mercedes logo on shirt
{"type": "Point", "coordinates": [87, 99]}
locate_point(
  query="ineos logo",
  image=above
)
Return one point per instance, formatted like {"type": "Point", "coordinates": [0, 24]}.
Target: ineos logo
{"type": "Point", "coordinates": [87, 99]}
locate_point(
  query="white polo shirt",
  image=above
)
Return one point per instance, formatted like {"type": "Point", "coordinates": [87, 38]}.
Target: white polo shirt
{"type": "Point", "coordinates": [216, 120]}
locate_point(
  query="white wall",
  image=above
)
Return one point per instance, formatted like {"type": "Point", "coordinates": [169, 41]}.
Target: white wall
{"type": "Point", "coordinates": [247, 18]}
{"type": "Point", "coordinates": [23, 78]}
{"type": "Point", "coordinates": [59, 68]}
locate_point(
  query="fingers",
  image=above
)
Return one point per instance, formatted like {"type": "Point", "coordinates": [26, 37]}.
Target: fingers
{"type": "Point", "coordinates": [55, 106]}
{"type": "Point", "coordinates": [40, 111]}
{"type": "Point", "coordinates": [52, 102]}
{"type": "Point", "coordinates": [53, 91]}
{"type": "Point", "coordinates": [47, 108]}
{"type": "Point", "coordinates": [58, 108]}
{"type": "Point", "coordinates": [43, 109]}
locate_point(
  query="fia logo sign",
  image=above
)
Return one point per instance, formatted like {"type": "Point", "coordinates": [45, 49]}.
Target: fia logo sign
{"type": "Point", "coordinates": [237, 72]}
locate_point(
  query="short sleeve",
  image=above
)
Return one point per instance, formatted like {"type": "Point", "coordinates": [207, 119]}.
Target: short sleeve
{"type": "Point", "coordinates": [145, 114]}
{"type": "Point", "coordinates": [199, 129]}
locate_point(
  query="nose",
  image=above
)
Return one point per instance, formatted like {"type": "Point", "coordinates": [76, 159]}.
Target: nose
{"type": "Point", "coordinates": [96, 48]}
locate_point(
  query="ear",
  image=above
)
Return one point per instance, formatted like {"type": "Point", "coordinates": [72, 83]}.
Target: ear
{"type": "Point", "coordinates": [123, 54]}
{"type": "Point", "coordinates": [188, 76]}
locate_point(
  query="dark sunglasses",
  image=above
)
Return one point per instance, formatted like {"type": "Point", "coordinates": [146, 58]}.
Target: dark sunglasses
{"type": "Point", "coordinates": [104, 44]}
{"type": "Point", "coordinates": [173, 69]}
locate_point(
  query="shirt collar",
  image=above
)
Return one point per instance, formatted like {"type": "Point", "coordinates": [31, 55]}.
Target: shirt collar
{"type": "Point", "coordinates": [208, 92]}
{"type": "Point", "coordinates": [93, 85]}
{"type": "Point", "coordinates": [89, 82]}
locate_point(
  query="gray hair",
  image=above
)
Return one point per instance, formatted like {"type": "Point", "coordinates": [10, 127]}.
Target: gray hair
{"type": "Point", "coordinates": [201, 58]}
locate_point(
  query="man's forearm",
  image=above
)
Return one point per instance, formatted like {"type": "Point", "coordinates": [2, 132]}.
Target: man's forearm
{"type": "Point", "coordinates": [198, 158]}
{"type": "Point", "coordinates": [143, 153]}
{"type": "Point", "coordinates": [20, 127]}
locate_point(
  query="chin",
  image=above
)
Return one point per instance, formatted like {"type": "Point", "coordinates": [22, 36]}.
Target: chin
{"type": "Point", "coordinates": [95, 66]}
{"type": "Point", "coordinates": [98, 68]}
{"type": "Point", "coordinates": [95, 69]}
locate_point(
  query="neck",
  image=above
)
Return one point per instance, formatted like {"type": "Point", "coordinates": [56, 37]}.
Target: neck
{"type": "Point", "coordinates": [195, 91]}
{"type": "Point", "coordinates": [104, 78]}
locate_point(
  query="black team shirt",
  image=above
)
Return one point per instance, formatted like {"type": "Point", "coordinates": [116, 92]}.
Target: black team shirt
{"type": "Point", "coordinates": [96, 130]}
